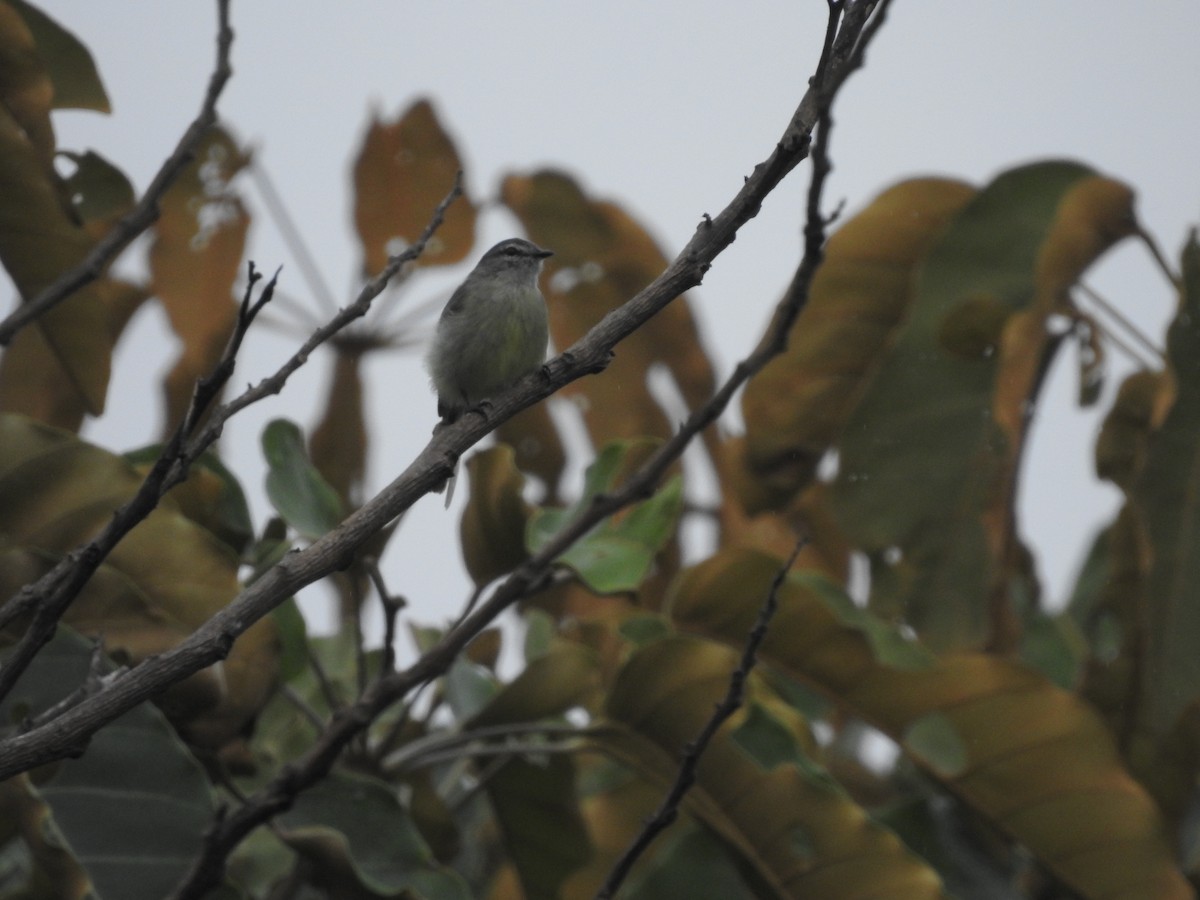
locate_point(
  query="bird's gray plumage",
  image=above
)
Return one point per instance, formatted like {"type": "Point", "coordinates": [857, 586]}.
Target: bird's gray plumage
{"type": "Point", "coordinates": [493, 330]}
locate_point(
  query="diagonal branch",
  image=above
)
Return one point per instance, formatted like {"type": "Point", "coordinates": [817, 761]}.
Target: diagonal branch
{"type": "Point", "coordinates": [229, 829]}
{"type": "Point", "coordinates": [667, 811]}
{"type": "Point", "coordinates": [212, 640]}
{"type": "Point", "coordinates": [51, 595]}
{"type": "Point", "coordinates": [146, 212]}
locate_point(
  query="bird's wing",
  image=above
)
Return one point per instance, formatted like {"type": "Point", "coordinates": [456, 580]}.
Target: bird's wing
{"type": "Point", "coordinates": [457, 301]}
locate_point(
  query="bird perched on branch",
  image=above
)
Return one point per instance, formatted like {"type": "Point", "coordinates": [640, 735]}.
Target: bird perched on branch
{"type": "Point", "coordinates": [492, 332]}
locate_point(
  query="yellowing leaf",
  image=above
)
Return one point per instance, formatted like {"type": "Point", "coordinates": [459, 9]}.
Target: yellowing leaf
{"type": "Point", "coordinates": [403, 171]}
{"type": "Point", "coordinates": [798, 404]}
{"type": "Point", "coordinates": [163, 580]}
{"type": "Point", "coordinates": [927, 459]}
{"type": "Point", "coordinates": [1032, 758]}
{"type": "Point", "coordinates": [494, 520]}
{"type": "Point", "coordinates": [194, 261]}
{"type": "Point", "coordinates": [799, 833]}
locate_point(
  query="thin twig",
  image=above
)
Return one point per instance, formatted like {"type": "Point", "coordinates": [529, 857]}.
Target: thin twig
{"type": "Point", "coordinates": [212, 640]}
{"type": "Point", "coordinates": [537, 571]}
{"type": "Point", "coordinates": [146, 212]}
{"type": "Point", "coordinates": [685, 777]}
{"type": "Point", "coordinates": [49, 597]}
{"type": "Point", "coordinates": [391, 604]}
{"type": "Point", "coordinates": [417, 754]}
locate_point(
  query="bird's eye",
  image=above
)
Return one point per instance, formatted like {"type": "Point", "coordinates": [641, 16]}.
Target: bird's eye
{"type": "Point", "coordinates": [511, 251]}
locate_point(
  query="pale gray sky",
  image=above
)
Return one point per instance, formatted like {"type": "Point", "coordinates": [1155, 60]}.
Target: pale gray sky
{"type": "Point", "coordinates": [662, 107]}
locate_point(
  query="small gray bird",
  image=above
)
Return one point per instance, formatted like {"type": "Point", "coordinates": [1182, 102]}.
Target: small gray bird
{"type": "Point", "coordinates": [493, 331]}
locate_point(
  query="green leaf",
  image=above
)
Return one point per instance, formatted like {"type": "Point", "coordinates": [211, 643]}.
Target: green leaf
{"type": "Point", "coordinates": [469, 688]}
{"type": "Point", "coordinates": [1168, 493]}
{"type": "Point", "coordinates": [294, 486]}
{"type": "Point", "coordinates": [293, 638]}
{"type": "Point", "coordinates": [550, 684]}
{"type": "Point", "coordinates": [769, 742]}
{"type": "Point", "coordinates": [538, 812]}
{"type": "Point", "coordinates": [134, 807]}
{"type": "Point", "coordinates": [690, 863]}
{"type": "Point", "coordinates": [539, 633]}
{"type": "Point", "coordinates": [934, 740]}
{"type": "Point", "coordinates": [354, 830]}
{"type": "Point", "coordinates": [67, 60]}
{"type": "Point", "coordinates": [618, 554]}
{"type": "Point", "coordinates": [889, 646]}
{"type": "Point", "coordinates": [928, 458]}
{"type": "Point", "coordinates": [1056, 647]}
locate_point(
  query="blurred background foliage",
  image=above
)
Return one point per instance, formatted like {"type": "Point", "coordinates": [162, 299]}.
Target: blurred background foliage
{"type": "Point", "coordinates": [921, 724]}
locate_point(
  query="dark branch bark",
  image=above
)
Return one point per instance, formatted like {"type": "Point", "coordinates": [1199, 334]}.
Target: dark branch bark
{"type": "Point", "coordinates": [212, 641]}
{"type": "Point", "coordinates": [667, 811]}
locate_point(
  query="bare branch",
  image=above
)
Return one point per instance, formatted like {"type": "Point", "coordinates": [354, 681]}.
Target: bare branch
{"type": "Point", "coordinates": [212, 640]}
{"type": "Point", "coordinates": [146, 212]}
{"type": "Point", "coordinates": [686, 776]}
{"type": "Point", "coordinates": [49, 597]}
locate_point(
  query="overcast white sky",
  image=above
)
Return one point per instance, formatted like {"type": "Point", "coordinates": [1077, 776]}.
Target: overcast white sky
{"type": "Point", "coordinates": [663, 107]}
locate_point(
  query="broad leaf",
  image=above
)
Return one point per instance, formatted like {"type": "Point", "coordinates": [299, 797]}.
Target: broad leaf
{"type": "Point", "coordinates": [618, 554]}
{"type": "Point", "coordinates": [356, 833]}
{"type": "Point", "coordinates": [163, 580]}
{"type": "Point", "coordinates": [1030, 757]}
{"type": "Point", "coordinates": [927, 459]}
{"type": "Point", "coordinates": [134, 807]}
{"type": "Point", "coordinates": [403, 171]}
{"type": "Point", "coordinates": [294, 486]}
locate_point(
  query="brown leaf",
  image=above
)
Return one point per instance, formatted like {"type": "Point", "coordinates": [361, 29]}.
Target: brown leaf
{"type": "Point", "coordinates": [403, 171]}
{"type": "Point", "coordinates": [602, 258]}
{"type": "Point", "coordinates": [1035, 760]}
{"type": "Point", "coordinates": [338, 446]}
{"type": "Point", "coordinates": [194, 262]}
{"type": "Point", "coordinates": [493, 523]}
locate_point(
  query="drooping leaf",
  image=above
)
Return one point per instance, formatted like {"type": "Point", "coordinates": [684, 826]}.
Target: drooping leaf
{"type": "Point", "coordinates": [67, 61]}
{"type": "Point", "coordinates": [163, 580]}
{"type": "Point", "coordinates": [619, 553]}
{"type": "Point", "coordinates": [194, 261]}
{"type": "Point", "coordinates": [536, 806]}
{"type": "Point", "coordinates": [798, 404]}
{"type": "Point", "coordinates": [927, 459]}
{"type": "Point", "coordinates": [790, 824]}
{"type": "Point", "coordinates": [39, 240]}
{"type": "Point", "coordinates": [538, 446]}
{"type": "Point", "coordinates": [338, 445]}
{"type": "Point", "coordinates": [32, 381]}
{"type": "Point", "coordinates": [133, 808]}
{"type": "Point", "coordinates": [493, 524]}
{"type": "Point", "coordinates": [26, 87]}
{"type": "Point", "coordinates": [294, 486]}
{"type": "Point", "coordinates": [602, 258]}
{"type": "Point", "coordinates": [358, 835]}
{"type": "Point", "coordinates": [1168, 495]}
{"type": "Point", "coordinates": [1039, 763]}
{"type": "Point", "coordinates": [403, 171]}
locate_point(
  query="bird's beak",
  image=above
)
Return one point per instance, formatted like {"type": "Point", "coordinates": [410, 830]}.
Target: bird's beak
{"type": "Point", "coordinates": [542, 254]}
